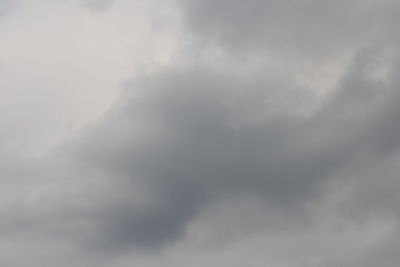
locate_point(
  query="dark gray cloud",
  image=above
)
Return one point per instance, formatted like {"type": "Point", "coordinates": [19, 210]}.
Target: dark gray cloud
{"type": "Point", "coordinates": [185, 142]}
{"type": "Point", "coordinates": [199, 134]}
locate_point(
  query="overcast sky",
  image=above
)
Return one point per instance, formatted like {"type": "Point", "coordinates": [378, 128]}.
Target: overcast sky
{"type": "Point", "coordinates": [191, 133]}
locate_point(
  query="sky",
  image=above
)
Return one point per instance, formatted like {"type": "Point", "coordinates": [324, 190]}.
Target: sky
{"type": "Point", "coordinates": [199, 133]}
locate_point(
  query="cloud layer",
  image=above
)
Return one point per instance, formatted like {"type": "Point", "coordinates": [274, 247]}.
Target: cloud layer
{"type": "Point", "coordinates": [260, 132]}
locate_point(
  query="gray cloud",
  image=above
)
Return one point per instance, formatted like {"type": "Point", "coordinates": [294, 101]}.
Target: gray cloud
{"type": "Point", "coordinates": [309, 28]}
{"type": "Point", "coordinates": [197, 135]}
{"type": "Point", "coordinates": [5, 6]}
{"type": "Point", "coordinates": [98, 4]}
{"type": "Point", "coordinates": [185, 142]}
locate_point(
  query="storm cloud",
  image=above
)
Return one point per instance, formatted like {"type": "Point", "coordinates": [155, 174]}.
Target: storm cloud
{"type": "Point", "coordinates": [185, 139]}
{"type": "Point", "coordinates": [262, 132]}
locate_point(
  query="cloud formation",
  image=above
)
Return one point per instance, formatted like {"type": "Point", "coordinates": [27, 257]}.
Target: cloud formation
{"type": "Point", "coordinates": [267, 124]}
{"type": "Point", "coordinates": [307, 28]}
{"type": "Point", "coordinates": [186, 140]}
